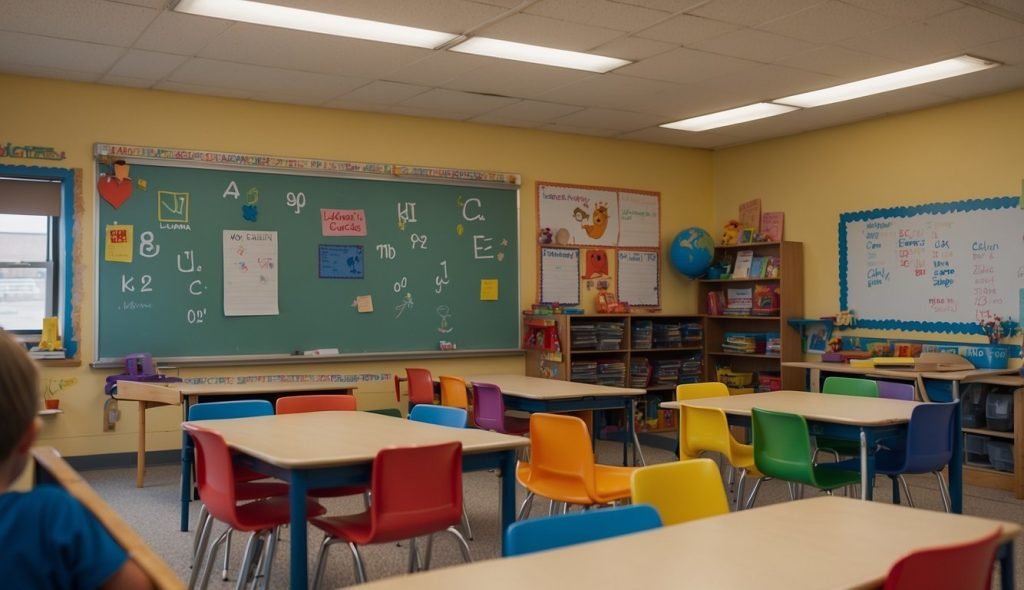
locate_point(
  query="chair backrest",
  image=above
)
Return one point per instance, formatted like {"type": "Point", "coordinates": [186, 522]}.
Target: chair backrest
{"type": "Point", "coordinates": [850, 386]}
{"type": "Point", "coordinates": [688, 391]}
{"type": "Point", "coordinates": [215, 473]}
{"type": "Point", "coordinates": [421, 386]}
{"type": "Point", "coordinates": [681, 490]}
{"type": "Point", "coordinates": [705, 429]}
{"type": "Point", "coordinates": [400, 510]}
{"type": "Point", "coordinates": [967, 566]}
{"type": "Point", "coordinates": [560, 452]}
{"type": "Point", "coordinates": [782, 446]}
{"type": "Point", "coordinates": [440, 415]}
{"type": "Point", "coordinates": [930, 437]}
{"type": "Point", "coordinates": [550, 532]}
{"type": "Point", "coordinates": [896, 390]}
{"type": "Point", "coordinates": [296, 404]}
{"type": "Point", "coordinates": [393, 412]}
{"type": "Point", "coordinates": [245, 408]}
{"type": "Point", "coordinates": [453, 392]}
{"type": "Point", "coordinates": [488, 407]}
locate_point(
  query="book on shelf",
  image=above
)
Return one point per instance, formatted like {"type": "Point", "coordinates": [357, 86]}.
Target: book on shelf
{"type": "Point", "coordinates": [771, 225]}
{"type": "Point", "coordinates": [36, 353]}
{"type": "Point", "coordinates": [772, 268]}
{"type": "Point", "coordinates": [738, 301]}
{"type": "Point", "coordinates": [757, 266]}
{"type": "Point", "coordinates": [765, 300]}
{"type": "Point", "coordinates": [741, 269]}
{"type": "Point", "coordinates": [715, 302]}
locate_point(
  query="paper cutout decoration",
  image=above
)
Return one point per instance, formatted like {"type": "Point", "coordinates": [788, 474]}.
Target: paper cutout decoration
{"type": "Point", "coordinates": [488, 289]}
{"type": "Point", "coordinates": [363, 304]}
{"type": "Point", "coordinates": [116, 189]}
{"type": "Point", "coordinates": [597, 264]}
{"type": "Point", "coordinates": [118, 243]}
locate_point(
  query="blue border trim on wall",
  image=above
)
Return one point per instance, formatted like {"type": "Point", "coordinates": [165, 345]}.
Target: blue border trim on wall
{"type": "Point", "coordinates": [66, 176]}
{"type": "Point", "coordinates": [1008, 202]}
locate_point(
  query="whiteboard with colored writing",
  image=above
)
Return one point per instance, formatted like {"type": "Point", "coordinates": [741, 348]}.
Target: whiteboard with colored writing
{"type": "Point", "coordinates": [941, 267]}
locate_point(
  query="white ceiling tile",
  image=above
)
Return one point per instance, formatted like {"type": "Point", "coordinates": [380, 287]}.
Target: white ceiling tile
{"type": "Point", "coordinates": [493, 119]}
{"type": "Point", "coordinates": [10, 67]}
{"type": "Point", "coordinates": [704, 140]}
{"type": "Point", "coordinates": [672, 6]}
{"type": "Point", "coordinates": [609, 119]}
{"type": "Point", "coordinates": [255, 79]}
{"type": "Point", "coordinates": [828, 22]}
{"type": "Point", "coordinates": [437, 68]}
{"type": "Point", "coordinates": [513, 78]}
{"type": "Point", "coordinates": [608, 90]}
{"type": "Point", "coordinates": [765, 83]}
{"type": "Point", "coordinates": [599, 13]}
{"type": "Point", "coordinates": [845, 64]}
{"type": "Point", "coordinates": [450, 101]}
{"type": "Point", "coordinates": [633, 48]}
{"type": "Point", "coordinates": [96, 21]}
{"type": "Point", "coordinates": [155, 4]}
{"type": "Point", "coordinates": [60, 54]}
{"type": "Point", "coordinates": [1007, 8]}
{"type": "Point", "coordinates": [754, 45]}
{"type": "Point", "coordinates": [126, 81]}
{"type": "Point", "coordinates": [378, 92]}
{"type": "Point", "coordinates": [287, 97]}
{"type": "Point", "coordinates": [596, 131]}
{"type": "Point", "coordinates": [414, 111]}
{"type": "Point", "coordinates": [532, 111]}
{"type": "Point", "coordinates": [146, 65]}
{"type": "Point", "coordinates": [183, 34]}
{"type": "Point", "coordinates": [751, 12]}
{"type": "Point", "coordinates": [685, 66]}
{"type": "Point", "coordinates": [908, 9]}
{"type": "Point", "coordinates": [202, 89]}
{"type": "Point", "coordinates": [687, 29]}
{"type": "Point", "coordinates": [537, 30]}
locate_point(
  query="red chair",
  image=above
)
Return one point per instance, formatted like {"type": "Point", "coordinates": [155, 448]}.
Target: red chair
{"type": "Point", "coordinates": [220, 493]}
{"type": "Point", "coordinates": [421, 386]}
{"type": "Point", "coordinates": [400, 510]}
{"type": "Point", "coordinates": [297, 404]}
{"type": "Point", "coordinates": [967, 566]}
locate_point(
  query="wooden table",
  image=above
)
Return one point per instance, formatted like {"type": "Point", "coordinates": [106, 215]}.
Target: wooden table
{"type": "Point", "coordinates": [153, 395]}
{"type": "Point", "coordinates": [863, 419]}
{"type": "Point", "coordinates": [326, 449]}
{"type": "Point", "coordinates": [955, 377]}
{"type": "Point", "coordinates": [536, 394]}
{"type": "Point", "coordinates": [52, 469]}
{"type": "Point", "coordinates": [819, 543]}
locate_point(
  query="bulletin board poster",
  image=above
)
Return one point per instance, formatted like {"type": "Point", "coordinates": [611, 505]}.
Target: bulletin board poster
{"type": "Point", "coordinates": [940, 267]}
{"type": "Point", "coordinates": [599, 216]}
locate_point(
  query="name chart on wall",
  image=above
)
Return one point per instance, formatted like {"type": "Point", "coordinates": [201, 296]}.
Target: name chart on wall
{"type": "Point", "coordinates": [940, 267]}
{"type": "Point", "coordinates": [559, 275]}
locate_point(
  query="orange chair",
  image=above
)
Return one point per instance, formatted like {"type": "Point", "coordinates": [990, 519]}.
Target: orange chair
{"type": "Point", "coordinates": [421, 386]}
{"type": "Point", "coordinates": [218, 489]}
{"type": "Point", "coordinates": [562, 464]}
{"type": "Point", "coordinates": [967, 566]}
{"type": "Point", "coordinates": [399, 510]}
{"type": "Point", "coordinates": [298, 404]}
{"type": "Point", "coordinates": [453, 392]}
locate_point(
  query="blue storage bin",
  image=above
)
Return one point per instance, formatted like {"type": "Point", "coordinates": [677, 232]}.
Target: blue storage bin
{"type": "Point", "coordinates": [987, 356]}
{"type": "Point", "coordinates": [972, 405]}
{"type": "Point", "coordinates": [1000, 454]}
{"type": "Point", "coordinates": [999, 410]}
{"type": "Point", "coordinates": [939, 390]}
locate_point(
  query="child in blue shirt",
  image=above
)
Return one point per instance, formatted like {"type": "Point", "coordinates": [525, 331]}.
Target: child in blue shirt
{"type": "Point", "coordinates": [48, 540]}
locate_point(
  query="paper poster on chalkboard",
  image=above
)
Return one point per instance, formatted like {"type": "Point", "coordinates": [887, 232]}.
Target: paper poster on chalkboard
{"type": "Point", "coordinates": [941, 267]}
{"type": "Point", "coordinates": [250, 272]}
{"type": "Point", "coordinates": [339, 261]}
{"type": "Point", "coordinates": [638, 278]}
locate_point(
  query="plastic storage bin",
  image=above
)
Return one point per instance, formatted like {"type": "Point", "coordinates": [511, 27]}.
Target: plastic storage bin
{"type": "Point", "coordinates": [999, 411]}
{"type": "Point", "coordinates": [976, 449]}
{"type": "Point", "coordinates": [1000, 454]}
{"type": "Point", "coordinates": [972, 405]}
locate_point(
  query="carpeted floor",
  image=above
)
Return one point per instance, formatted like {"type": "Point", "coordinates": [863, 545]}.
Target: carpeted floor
{"type": "Point", "coordinates": [154, 511]}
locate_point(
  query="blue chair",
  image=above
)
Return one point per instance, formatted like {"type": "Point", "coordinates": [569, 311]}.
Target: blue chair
{"type": "Point", "coordinates": [928, 448]}
{"type": "Point", "coordinates": [550, 532]}
{"type": "Point", "coordinates": [895, 390]}
{"type": "Point", "coordinates": [440, 415]}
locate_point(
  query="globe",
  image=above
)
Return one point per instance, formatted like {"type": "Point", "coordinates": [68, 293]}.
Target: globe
{"type": "Point", "coordinates": [692, 251]}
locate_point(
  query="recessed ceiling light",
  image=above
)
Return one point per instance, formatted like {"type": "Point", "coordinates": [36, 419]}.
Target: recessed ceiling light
{"type": "Point", "coordinates": [958, 66]}
{"type": "Point", "coordinates": [273, 15]}
{"type": "Point", "coordinates": [751, 112]}
{"type": "Point", "coordinates": [539, 55]}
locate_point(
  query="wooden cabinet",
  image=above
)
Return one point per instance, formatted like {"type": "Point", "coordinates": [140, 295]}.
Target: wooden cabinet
{"type": "Point", "coordinates": [650, 351]}
{"type": "Point", "coordinates": [754, 339]}
{"type": "Point", "coordinates": [993, 430]}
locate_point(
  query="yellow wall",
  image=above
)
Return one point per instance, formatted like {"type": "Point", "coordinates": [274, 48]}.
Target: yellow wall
{"type": "Point", "coordinates": [965, 150]}
{"type": "Point", "coordinates": [71, 117]}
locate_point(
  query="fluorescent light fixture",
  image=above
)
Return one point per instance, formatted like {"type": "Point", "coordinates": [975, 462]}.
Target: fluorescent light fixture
{"type": "Point", "coordinates": [958, 66]}
{"type": "Point", "coordinates": [539, 55]}
{"type": "Point", "coordinates": [315, 22]}
{"type": "Point", "coordinates": [751, 112]}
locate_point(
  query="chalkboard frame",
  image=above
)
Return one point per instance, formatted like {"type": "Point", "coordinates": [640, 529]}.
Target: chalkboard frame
{"type": "Point", "coordinates": [105, 154]}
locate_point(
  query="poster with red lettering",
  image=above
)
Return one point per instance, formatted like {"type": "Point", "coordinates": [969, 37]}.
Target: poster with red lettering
{"type": "Point", "coordinates": [343, 222]}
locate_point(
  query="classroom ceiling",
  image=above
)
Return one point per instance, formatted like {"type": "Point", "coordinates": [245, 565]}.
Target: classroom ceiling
{"type": "Point", "coordinates": [691, 57]}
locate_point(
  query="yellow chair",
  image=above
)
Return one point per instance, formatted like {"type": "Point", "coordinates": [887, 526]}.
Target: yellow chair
{"type": "Point", "coordinates": [453, 392]}
{"type": "Point", "coordinates": [689, 391]}
{"type": "Point", "coordinates": [707, 429]}
{"type": "Point", "coordinates": [681, 491]}
{"type": "Point", "coordinates": [562, 464]}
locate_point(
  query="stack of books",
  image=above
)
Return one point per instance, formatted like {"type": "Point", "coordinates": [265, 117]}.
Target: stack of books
{"type": "Point", "coordinates": [738, 301]}
{"type": "Point", "coordinates": [667, 335]}
{"type": "Point", "coordinates": [611, 372]}
{"type": "Point", "coordinates": [665, 371]}
{"type": "Point", "coordinates": [609, 335]}
{"type": "Point", "coordinates": [643, 331]}
{"type": "Point", "coordinates": [583, 336]}
{"type": "Point", "coordinates": [639, 372]}
{"type": "Point", "coordinates": [738, 342]}
{"type": "Point", "coordinates": [691, 366]}
{"type": "Point", "coordinates": [583, 371]}
{"type": "Point", "coordinates": [693, 333]}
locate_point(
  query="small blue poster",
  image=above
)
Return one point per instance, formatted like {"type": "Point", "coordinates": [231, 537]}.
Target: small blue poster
{"type": "Point", "coordinates": [341, 261]}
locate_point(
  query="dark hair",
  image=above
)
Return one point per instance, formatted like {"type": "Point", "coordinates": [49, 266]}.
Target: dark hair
{"type": "Point", "coordinates": [19, 393]}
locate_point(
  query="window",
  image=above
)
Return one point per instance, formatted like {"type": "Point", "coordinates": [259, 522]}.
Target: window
{"type": "Point", "coordinates": [35, 243]}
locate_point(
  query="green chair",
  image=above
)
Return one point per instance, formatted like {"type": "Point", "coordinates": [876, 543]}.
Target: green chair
{"type": "Point", "coordinates": [852, 386]}
{"type": "Point", "coordinates": [782, 450]}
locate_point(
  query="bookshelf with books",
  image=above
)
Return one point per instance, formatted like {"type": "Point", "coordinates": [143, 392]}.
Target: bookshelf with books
{"type": "Point", "coordinates": [650, 351]}
{"type": "Point", "coordinates": [746, 329]}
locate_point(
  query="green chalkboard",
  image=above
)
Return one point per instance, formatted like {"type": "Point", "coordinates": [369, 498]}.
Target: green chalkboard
{"type": "Point", "coordinates": [235, 263]}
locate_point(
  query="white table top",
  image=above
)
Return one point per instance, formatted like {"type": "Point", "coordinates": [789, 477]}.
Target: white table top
{"type": "Point", "coordinates": [823, 542]}
{"type": "Point", "coordinates": [172, 393]}
{"type": "Point", "coordinates": [328, 439]}
{"type": "Point", "coordinates": [551, 389]}
{"type": "Point", "coordinates": [839, 409]}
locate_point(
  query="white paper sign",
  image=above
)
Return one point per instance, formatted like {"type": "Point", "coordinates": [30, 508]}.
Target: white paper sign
{"type": "Point", "coordinates": [560, 275]}
{"type": "Point", "coordinates": [591, 216]}
{"type": "Point", "coordinates": [638, 278]}
{"type": "Point", "coordinates": [638, 220]}
{"type": "Point", "coordinates": [250, 272]}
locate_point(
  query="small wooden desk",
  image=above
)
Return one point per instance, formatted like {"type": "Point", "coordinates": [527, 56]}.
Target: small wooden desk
{"type": "Point", "coordinates": [51, 468]}
{"type": "Point", "coordinates": [819, 543]}
{"type": "Point", "coordinates": [326, 449]}
{"type": "Point", "coordinates": [153, 395]}
{"type": "Point", "coordinates": [866, 420]}
{"type": "Point", "coordinates": [956, 377]}
{"type": "Point", "coordinates": [536, 394]}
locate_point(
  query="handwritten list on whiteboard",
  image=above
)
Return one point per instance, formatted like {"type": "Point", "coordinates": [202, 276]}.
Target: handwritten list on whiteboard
{"type": "Point", "coordinates": [942, 267]}
{"type": "Point", "coordinates": [250, 273]}
{"type": "Point", "coordinates": [638, 278]}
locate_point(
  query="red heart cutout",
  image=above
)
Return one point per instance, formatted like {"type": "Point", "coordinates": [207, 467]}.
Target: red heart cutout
{"type": "Point", "coordinates": [114, 190]}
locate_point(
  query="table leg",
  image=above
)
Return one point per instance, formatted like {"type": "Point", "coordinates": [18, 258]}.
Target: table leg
{"type": "Point", "coordinates": [507, 499]}
{"type": "Point", "coordinates": [299, 552]}
{"type": "Point", "coordinates": [140, 462]}
{"type": "Point", "coordinates": [815, 376]}
{"type": "Point", "coordinates": [630, 431]}
{"type": "Point", "coordinates": [956, 467]}
{"type": "Point", "coordinates": [863, 465]}
{"type": "Point", "coordinates": [1005, 555]}
{"type": "Point", "coordinates": [186, 478]}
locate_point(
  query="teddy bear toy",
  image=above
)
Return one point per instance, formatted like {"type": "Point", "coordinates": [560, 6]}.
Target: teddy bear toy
{"type": "Point", "coordinates": [731, 232]}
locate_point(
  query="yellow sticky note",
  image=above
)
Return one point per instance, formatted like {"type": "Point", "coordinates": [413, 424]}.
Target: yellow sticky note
{"type": "Point", "coordinates": [488, 289]}
{"type": "Point", "coordinates": [364, 304]}
{"type": "Point", "coordinates": [118, 243]}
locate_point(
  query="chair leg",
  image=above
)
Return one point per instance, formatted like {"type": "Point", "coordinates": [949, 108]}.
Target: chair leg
{"type": "Point", "coordinates": [227, 556]}
{"type": "Point", "coordinates": [203, 516]}
{"type": "Point", "coordinates": [209, 560]}
{"type": "Point", "coordinates": [753, 494]}
{"type": "Point", "coordinates": [792, 490]}
{"type": "Point", "coordinates": [895, 489]}
{"type": "Point", "coordinates": [739, 489]}
{"type": "Point", "coordinates": [429, 551]}
{"type": "Point", "coordinates": [465, 523]}
{"type": "Point", "coordinates": [321, 560]}
{"type": "Point", "coordinates": [358, 559]}
{"type": "Point", "coordinates": [268, 558]}
{"type": "Point", "coordinates": [463, 545]}
{"type": "Point", "coordinates": [201, 545]}
{"type": "Point", "coordinates": [524, 510]}
{"type": "Point", "coordinates": [637, 450]}
{"type": "Point", "coordinates": [943, 491]}
{"type": "Point", "coordinates": [906, 490]}
{"type": "Point", "coordinates": [414, 558]}
{"type": "Point", "coordinates": [247, 560]}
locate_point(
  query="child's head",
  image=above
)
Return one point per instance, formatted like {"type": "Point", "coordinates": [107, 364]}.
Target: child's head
{"type": "Point", "coordinates": [19, 404]}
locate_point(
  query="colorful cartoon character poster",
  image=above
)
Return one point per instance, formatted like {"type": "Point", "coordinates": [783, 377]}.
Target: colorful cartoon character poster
{"type": "Point", "coordinates": [589, 215]}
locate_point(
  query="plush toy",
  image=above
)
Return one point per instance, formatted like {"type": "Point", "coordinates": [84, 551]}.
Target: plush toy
{"type": "Point", "coordinates": [731, 232]}
{"type": "Point", "coordinates": [545, 236]}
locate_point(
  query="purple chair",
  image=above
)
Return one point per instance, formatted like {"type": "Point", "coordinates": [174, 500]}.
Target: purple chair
{"type": "Point", "coordinates": [489, 411]}
{"type": "Point", "coordinates": [896, 390]}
